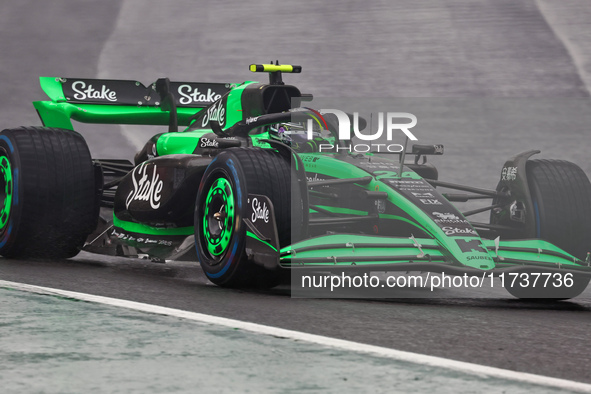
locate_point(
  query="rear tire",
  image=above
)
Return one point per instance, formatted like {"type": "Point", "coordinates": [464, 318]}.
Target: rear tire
{"type": "Point", "coordinates": [230, 178]}
{"type": "Point", "coordinates": [561, 195]}
{"type": "Point", "coordinates": [47, 193]}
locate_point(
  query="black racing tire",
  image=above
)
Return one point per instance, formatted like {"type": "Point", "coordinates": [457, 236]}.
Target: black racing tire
{"type": "Point", "coordinates": [561, 195]}
{"type": "Point", "coordinates": [47, 193]}
{"type": "Point", "coordinates": [229, 179]}
{"type": "Point", "coordinates": [535, 284]}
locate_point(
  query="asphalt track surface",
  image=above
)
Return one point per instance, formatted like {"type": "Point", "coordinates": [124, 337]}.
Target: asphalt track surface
{"type": "Point", "coordinates": [476, 51]}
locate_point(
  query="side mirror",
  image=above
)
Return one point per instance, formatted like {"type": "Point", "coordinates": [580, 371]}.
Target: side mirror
{"type": "Point", "coordinates": [425, 150]}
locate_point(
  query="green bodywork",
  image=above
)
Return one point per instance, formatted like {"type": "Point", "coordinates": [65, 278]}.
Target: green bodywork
{"type": "Point", "coordinates": [219, 232]}
{"type": "Point", "coordinates": [338, 251]}
{"type": "Point", "coordinates": [432, 246]}
{"type": "Point", "coordinates": [59, 112]}
{"type": "Point", "coordinates": [6, 203]}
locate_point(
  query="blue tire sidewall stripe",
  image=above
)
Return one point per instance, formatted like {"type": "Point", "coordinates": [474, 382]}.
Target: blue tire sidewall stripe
{"type": "Point", "coordinates": [230, 165]}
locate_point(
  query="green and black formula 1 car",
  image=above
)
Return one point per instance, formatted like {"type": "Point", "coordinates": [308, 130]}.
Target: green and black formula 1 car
{"type": "Point", "coordinates": [250, 196]}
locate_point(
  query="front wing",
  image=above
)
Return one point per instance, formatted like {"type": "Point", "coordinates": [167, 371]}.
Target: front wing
{"type": "Point", "coordinates": [373, 253]}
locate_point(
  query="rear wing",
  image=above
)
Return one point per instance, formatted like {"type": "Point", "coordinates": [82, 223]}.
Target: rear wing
{"type": "Point", "coordinates": [122, 101]}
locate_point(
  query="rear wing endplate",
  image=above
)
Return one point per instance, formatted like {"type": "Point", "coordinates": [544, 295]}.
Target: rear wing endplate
{"type": "Point", "coordinates": [121, 101]}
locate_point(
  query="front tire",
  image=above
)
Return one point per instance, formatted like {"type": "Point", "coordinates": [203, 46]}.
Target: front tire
{"type": "Point", "coordinates": [557, 286]}
{"type": "Point", "coordinates": [561, 195]}
{"type": "Point", "coordinates": [47, 193]}
{"type": "Point", "coordinates": [220, 232]}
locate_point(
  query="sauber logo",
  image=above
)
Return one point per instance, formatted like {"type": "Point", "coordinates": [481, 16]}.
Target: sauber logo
{"type": "Point", "coordinates": [188, 95]}
{"type": "Point", "coordinates": [84, 92]}
{"type": "Point", "coordinates": [145, 189]}
{"type": "Point", "coordinates": [259, 212]}
{"type": "Point", "coordinates": [470, 258]}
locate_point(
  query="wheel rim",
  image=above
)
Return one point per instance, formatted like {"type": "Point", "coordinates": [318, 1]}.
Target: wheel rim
{"type": "Point", "coordinates": [218, 218]}
{"type": "Point", "coordinates": [5, 192]}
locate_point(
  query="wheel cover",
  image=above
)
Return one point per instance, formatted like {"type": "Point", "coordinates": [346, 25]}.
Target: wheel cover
{"type": "Point", "coordinates": [5, 191]}
{"type": "Point", "coordinates": [218, 217]}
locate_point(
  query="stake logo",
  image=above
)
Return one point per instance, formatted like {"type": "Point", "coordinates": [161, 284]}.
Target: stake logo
{"type": "Point", "coordinates": [216, 112]}
{"type": "Point", "coordinates": [188, 95]}
{"type": "Point", "coordinates": [462, 231]}
{"type": "Point", "coordinates": [145, 189]}
{"type": "Point", "coordinates": [259, 212]}
{"type": "Point", "coordinates": [207, 143]}
{"type": "Point", "coordinates": [83, 92]}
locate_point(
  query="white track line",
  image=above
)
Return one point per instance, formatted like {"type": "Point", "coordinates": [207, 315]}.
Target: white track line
{"type": "Point", "coordinates": [439, 362]}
